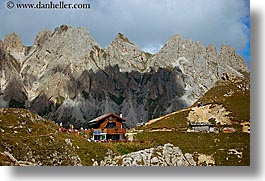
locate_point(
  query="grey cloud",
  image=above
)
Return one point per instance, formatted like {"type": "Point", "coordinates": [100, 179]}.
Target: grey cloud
{"type": "Point", "coordinates": [149, 24]}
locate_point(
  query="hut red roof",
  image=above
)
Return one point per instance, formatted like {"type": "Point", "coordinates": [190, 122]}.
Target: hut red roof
{"type": "Point", "coordinates": [105, 116]}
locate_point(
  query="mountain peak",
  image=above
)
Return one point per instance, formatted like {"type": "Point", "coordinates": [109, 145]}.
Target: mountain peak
{"type": "Point", "coordinates": [1, 44]}
{"type": "Point", "coordinates": [65, 37]}
{"type": "Point", "coordinates": [67, 31]}
{"type": "Point", "coordinates": [176, 38]}
{"type": "Point", "coordinates": [14, 46]}
{"type": "Point", "coordinates": [179, 40]}
{"type": "Point", "coordinates": [42, 36]}
{"type": "Point", "coordinates": [122, 38]}
{"type": "Point", "coordinates": [12, 40]}
{"type": "Point", "coordinates": [230, 57]}
{"type": "Point", "coordinates": [227, 49]}
{"type": "Point", "coordinates": [62, 28]}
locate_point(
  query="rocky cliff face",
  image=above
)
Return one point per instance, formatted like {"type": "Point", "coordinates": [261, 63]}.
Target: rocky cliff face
{"type": "Point", "coordinates": [66, 76]}
{"type": "Point", "coordinates": [127, 55]}
{"type": "Point", "coordinates": [12, 90]}
{"type": "Point", "coordinates": [14, 47]}
{"type": "Point", "coordinates": [201, 66]}
{"type": "Point", "coordinates": [138, 96]}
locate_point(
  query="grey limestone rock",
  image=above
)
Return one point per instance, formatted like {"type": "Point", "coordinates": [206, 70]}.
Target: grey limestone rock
{"type": "Point", "coordinates": [166, 155]}
{"type": "Point", "coordinates": [14, 46]}
{"type": "Point", "coordinates": [67, 77]}
{"type": "Point", "coordinates": [201, 66]}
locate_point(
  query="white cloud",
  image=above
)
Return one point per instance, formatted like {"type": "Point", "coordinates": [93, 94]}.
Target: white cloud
{"type": "Point", "coordinates": [146, 23]}
{"type": "Point", "coordinates": [152, 48]}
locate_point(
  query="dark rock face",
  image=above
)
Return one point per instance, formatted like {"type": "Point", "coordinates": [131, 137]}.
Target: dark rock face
{"type": "Point", "coordinates": [140, 96]}
{"type": "Point", "coordinates": [15, 95]}
{"type": "Point", "coordinates": [67, 77]}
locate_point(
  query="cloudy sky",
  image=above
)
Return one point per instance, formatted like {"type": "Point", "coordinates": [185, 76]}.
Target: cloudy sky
{"type": "Point", "coordinates": [147, 23]}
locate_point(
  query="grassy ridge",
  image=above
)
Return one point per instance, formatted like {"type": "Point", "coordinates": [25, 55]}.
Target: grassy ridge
{"type": "Point", "coordinates": [239, 101]}
{"type": "Point", "coordinates": [177, 122]}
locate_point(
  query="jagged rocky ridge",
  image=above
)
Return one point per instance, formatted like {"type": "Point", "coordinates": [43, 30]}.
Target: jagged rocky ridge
{"type": "Point", "coordinates": [66, 76]}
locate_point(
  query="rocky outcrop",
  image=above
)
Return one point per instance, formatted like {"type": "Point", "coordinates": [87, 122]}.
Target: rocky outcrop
{"type": "Point", "coordinates": [127, 55]}
{"type": "Point", "coordinates": [65, 51]}
{"type": "Point", "coordinates": [215, 112]}
{"type": "Point", "coordinates": [166, 155]}
{"type": "Point", "coordinates": [41, 37]}
{"type": "Point", "coordinates": [14, 46]}
{"type": "Point", "coordinates": [206, 160]}
{"type": "Point", "coordinates": [229, 57]}
{"type": "Point", "coordinates": [66, 76]}
{"type": "Point", "coordinates": [1, 44]}
{"type": "Point", "coordinates": [245, 126]}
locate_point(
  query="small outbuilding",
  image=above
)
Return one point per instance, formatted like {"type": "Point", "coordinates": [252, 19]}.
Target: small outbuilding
{"type": "Point", "coordinates": [229, 130]}
{"type": "Point", "coordinates": [202, 126]}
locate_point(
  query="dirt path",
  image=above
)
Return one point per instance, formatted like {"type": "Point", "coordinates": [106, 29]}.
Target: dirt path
{"type": "Point", "coordinates": [45, 135]}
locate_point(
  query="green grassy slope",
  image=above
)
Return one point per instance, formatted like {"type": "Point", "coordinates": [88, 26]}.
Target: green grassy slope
{"type": "Point", "coordinates": [30, 138]}
{"type": "Point", "coordinates": [238, 103]}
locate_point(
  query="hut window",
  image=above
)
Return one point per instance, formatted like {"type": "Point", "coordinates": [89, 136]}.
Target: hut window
{"type": "Point", "coordinates": [111, 125]}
